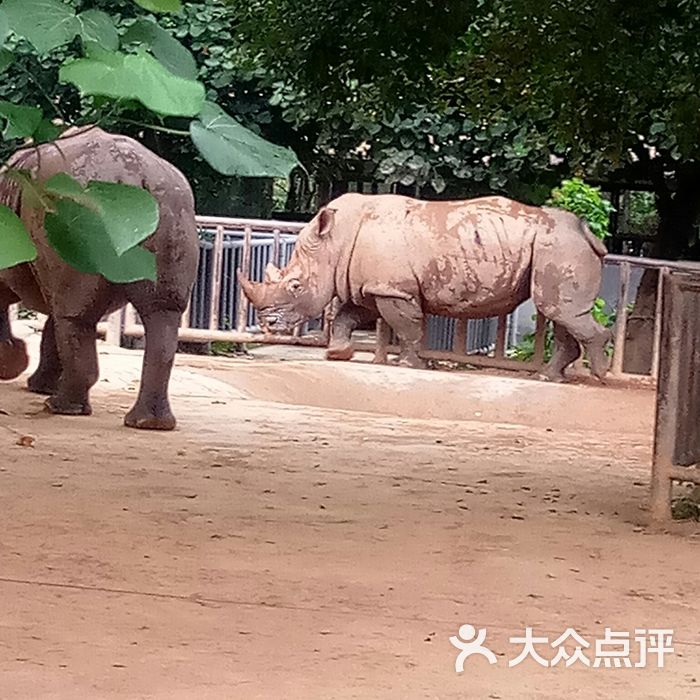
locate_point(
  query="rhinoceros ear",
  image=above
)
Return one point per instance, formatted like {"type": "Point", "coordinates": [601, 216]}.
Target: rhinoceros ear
{"type": "Point", "coordinates": [325, 222]}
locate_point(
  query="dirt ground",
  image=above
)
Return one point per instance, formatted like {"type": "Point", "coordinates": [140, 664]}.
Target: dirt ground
{"type": "Point", "coordinates": [319, 531]}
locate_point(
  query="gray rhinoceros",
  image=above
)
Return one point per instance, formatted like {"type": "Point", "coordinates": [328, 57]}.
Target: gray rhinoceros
{"type": "Point", "coordinates": [400, 258]}
{"type": "Point", "coordinates": [75, 302]}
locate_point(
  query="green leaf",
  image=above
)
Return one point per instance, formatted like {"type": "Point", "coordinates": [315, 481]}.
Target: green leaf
{"type": "Point", "coordinates": [135, 77]}
{"type": "Point", "coordinates": [160, 5]}
{"type": "Point", "coordinates": [47, 131]}
{"type": "Point", "coordinates": [46, 24]}
{"type": "Point", "coordinates": [97, 27]}
{"type": "Point", "coordinates": [79, 236]}
{"type": "Point", "coordinates": [7, 58]}
{"type": "Point", "coordinates": [128, 214]}
{"type": "Point", "coordinates": [20, 121]}
{"type": "Point", "coordinates": [15, 244]}
{"type": "Point", "coordinates": [164, 46]}
{"type": "Point", "coordinates": [231, 149]}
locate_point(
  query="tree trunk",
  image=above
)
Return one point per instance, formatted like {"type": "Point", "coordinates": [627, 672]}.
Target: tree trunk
{"type": "Point", "coordinates": [678, 213]}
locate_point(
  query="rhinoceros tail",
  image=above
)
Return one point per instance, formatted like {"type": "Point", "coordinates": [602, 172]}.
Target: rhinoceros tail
{"type": "Point", "coordinates": [598, 246]}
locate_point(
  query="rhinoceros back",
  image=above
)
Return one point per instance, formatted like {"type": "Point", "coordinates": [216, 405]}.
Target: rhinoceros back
{"type": "Point", "coordinates": [464, 259]}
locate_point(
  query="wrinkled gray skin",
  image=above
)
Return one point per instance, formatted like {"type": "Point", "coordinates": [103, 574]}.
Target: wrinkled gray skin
{"type": "Point", "coordinates": [75, 302]}
{"type": "Point", "coordinates": [399, 258]}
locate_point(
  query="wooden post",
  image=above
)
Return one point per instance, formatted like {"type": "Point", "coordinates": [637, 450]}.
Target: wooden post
{"type": "Point", "coordinates": [243, 303]}
{"type": "Point", "coordinates": [216, 272]}
{"type": "Point", "coordinates": [459, 343]}
{"type": "Point", "coordinates": [540, 338]}
{"type": "Point", "coordinates": [113, 336]}
{"type": "Point", "coordinates": [501, 336]}
{"type": "Point", "coordinates": [621, 320]}
{"type": "Point", "coordinates": [381, 351]}
{"type": "Point", "coordinates": [276, 245]}
{"type": "Point", "coordinates": [658, 318]}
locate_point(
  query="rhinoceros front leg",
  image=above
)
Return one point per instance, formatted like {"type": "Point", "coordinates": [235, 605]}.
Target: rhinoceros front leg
{"type": "Point", "coordinates": [77, 353]}
{"type": "Point", "coordinates": [47, 375]}
{"type": "Point", "coordinates": [13, 351]}
{"type": "Point", "coordinates": [348, 318]}
{"type": "Point", "coordinates": [152, 408]}
{"type": "Point", "coordinates": [405, 317]}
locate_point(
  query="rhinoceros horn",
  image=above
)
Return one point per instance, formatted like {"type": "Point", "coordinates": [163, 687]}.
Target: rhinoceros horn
{"type": "Point", "coordinates": [272, 273]}
{"type": "Point", "coordinates": [253, 290]}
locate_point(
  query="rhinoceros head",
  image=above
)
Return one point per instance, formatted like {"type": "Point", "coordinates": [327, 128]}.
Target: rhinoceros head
{"type": "Point", "coordinates": [303, 289]}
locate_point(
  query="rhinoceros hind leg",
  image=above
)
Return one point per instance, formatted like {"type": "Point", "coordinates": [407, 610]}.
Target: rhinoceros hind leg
{"type": "Point", "coordinates": [77, 352]}
{"type": "Point", "coordinates": [594, 338]}
{"type": "Point", "coordinates": [566, 350]}
{"type": "Point", "coordinates": [405, 317]}
{"type": "Point", "coordinates": [152, 408]}
{"type": "Point", "coordinates": [348, 318]}
{"type": "Point", "coordinates": [47, 375]}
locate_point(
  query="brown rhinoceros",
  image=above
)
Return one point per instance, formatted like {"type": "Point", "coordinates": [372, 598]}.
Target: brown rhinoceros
{"type": "Point", "coordinates": [399, 258]}
{"type": "Point", "coordinates": [75, 301]}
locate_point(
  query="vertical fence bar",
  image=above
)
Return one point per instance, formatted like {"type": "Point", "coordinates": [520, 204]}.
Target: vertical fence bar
{"type": "Point", "coordinates": [621, 320]}
{"type": "Point", "coordinates": [243, 303]}
{"type": "Point", "coordinates": [540, 340]}
{"type": "Point", "coordinates": [500, 350]}
{"type": "Point", "coordinates": [658, 317]}
{"type": "Point", "coordinates": [216, 273]}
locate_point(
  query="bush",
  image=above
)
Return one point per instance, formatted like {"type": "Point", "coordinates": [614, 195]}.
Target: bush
{"type": "Point", "coordinates": [586, 202]}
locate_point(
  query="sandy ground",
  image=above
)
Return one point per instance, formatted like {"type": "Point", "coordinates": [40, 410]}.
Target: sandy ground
{"type": "Point", "coordinates": [276, 547]}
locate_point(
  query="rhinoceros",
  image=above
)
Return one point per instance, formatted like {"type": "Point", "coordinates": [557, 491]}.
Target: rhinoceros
{"type": "Point", "coordinates": [400, 258]}
{"type": "Point", "coordinates": [75, 301]}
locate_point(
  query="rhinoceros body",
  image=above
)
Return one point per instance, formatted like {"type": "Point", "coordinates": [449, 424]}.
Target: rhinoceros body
{"type": "Point", "coordinates": [75, 301]}
{"type": "Point", "coordinates": [402, 258]}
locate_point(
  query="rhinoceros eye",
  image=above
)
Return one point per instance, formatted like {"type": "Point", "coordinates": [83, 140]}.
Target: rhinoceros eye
{"type": "Point", "coordinates": [294, 286]}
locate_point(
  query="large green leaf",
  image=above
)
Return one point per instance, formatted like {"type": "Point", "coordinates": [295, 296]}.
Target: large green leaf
{"type": "Point", "coordinates": [20, 121]}
{"type": "Point", "coordinates": [128, 214]}
{"type": "Point", "coordinates": [164, 46]}
{"type": "Point", "coordinates": [231, 149]}
{"type": "Point", "coordinates": [15, 245]}
{"type": "Point", "coordinates": [160, 5]}
{"type": "Point", "coordinates": [46, 24]}
{"type": "Point", "coordinates": [135, 77]}
{"type": "Point", "coordinates": [80, 238]}
{"type": "Point", "coordinates": [97, 27]}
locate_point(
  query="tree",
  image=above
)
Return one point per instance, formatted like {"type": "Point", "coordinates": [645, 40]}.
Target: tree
{"type": "Point", "coordinates": [153, 77]}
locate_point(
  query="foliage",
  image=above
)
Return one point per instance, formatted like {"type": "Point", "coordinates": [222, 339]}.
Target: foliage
{"type": "Point", "coordinates": [99, 228]}
{"type": "Point", "coordinates": [641, 214]}
{"type": "Point", "coordinates": [525, 349]}
{"type": "Point", "coordinates": [586, 202]}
